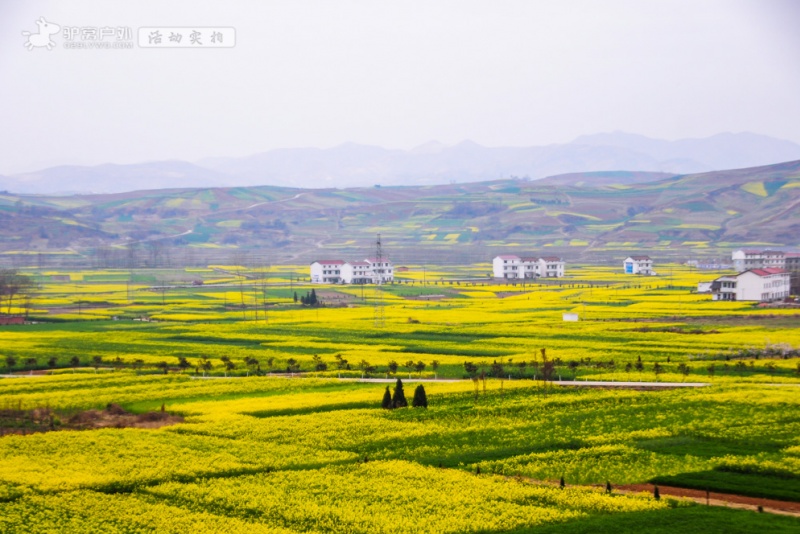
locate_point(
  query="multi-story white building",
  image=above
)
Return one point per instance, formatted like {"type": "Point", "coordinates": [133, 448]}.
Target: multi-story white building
{"type": "Point", "coordinates": [745, 259]}
{"type": "Point", "coordinates": [638, 265]}
{"type": "Point", "coordinates": [761, 285]}
{"type": "Point", "coordinates": [381, 270]}
{"type": "Point", "coordinates": [512, 267]}
{"type": "Point", "coordinates": [368, 271]}
{"type": "Point", "coordinates": [326, 271]}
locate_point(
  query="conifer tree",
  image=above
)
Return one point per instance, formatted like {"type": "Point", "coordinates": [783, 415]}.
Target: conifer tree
{"type": "Point", "coordinates": [420, 399]}
{"type": "Point", "coordinates": [387, 399]}
{"type": "Point", "coordinates": [656, 493]}
{"type": "Point", "coordinates": [399, 399]}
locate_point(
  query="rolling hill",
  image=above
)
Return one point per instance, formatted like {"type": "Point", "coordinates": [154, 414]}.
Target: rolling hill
{"type": "Point", "coordinates": [701, 214]}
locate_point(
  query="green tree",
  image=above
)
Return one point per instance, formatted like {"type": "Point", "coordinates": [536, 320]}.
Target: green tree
{"type": "Point", "coordinates": [229, 366]}
{"type": "Point", "coordinates": [399, 398]}
{"type": "Point", "coordinates": [52, 362]}
{"type": "Point", "coordinates": [205, 365]}
{"type": "Point", "coordinates": [420, 400]}
{"type": "Point", "coordinates": [657, 369]}
{"type": "Point", "coordinates": [164, 366]}
{"type": "Point", "coordinates": [319, 365]}
{"type": "Point", "coordinates": [30, 363]}
{"type": "Point", "coordinates": [365, 367]}
{"type": "Point", "coordinates": [386, 404]}
{"type": "Point", "coordinates": [435, 367]}
{"type": "Point", "coordinates": [183, 364]}
{"type": "Point", "coordinates": [10, 361]}
{"type": "Point", "coordinates": [419, 366]}
{"type": "Point", "coordinates": [470, 368]}
{"type": "Point", "coordinates": [341, 363]}
{"type": "Point", "coordinates": [74, 361]}
{"type": "Point", "coordinates": [392, 367]}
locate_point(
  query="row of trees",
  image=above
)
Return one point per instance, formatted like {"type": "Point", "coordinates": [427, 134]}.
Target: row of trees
{"type": "Point", "coordinates": [398, 398]}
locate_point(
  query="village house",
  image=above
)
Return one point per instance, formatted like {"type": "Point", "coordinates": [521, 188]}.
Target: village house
{"type": "Point", "coordinates": [509, 266]}
{"type": "Point", "coordinates": [368, 271]}
{"type": "Point", "coordinates": [745, 259]}
{"type": "Point", "coordinates": [638, 265]}
{"type": "Point", "coordinates": [760, 285]}
{"type": "Point", "coordinates": [326, 271]}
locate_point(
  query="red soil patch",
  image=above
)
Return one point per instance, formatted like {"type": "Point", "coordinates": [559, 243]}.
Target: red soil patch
{"type": "Point", "coordinates": [718, 499]}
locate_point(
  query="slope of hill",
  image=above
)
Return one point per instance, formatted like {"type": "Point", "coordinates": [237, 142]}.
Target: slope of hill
{"type": "Point", "coordinates": [705, 214]}
{"type": "Point", "coordinates": [69, 179]}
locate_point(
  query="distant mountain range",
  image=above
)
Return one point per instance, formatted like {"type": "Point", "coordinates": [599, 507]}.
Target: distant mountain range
{"type": "Point", "coordinates": [354, 165]}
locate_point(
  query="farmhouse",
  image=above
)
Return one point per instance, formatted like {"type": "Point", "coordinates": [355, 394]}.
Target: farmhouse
{"type": "Point", "coordinates": [638, 265]}
{"type": "Point", "coordinates": [515, 267]}
{"type": "Point", "coordinates": [326, 271]}
{"type": "Point", "coordinates": [761, 285]}
{"type": "Point", "coordinates": [368, 271]}
{"type": "Point", "coordinates": [745, 259]}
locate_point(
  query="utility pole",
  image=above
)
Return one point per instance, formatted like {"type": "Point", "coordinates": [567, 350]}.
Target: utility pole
{"type": "Point", "coordinates": [380, 317]}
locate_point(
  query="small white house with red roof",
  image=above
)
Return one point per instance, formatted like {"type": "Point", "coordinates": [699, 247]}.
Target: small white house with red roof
{"type": "Point", "coordinates": [760, 285]}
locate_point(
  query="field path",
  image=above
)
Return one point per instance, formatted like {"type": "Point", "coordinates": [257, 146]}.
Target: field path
{"type": "Point", "coordinates": [729, 500]}
{"type": "Point", "coordinates": [718, 499]}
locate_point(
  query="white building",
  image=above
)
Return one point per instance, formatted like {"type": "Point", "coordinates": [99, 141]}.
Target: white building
{"type": "Point", "coordinates": [513, 267]}
{"type": "Point", "coordinates": [761, 285]}
{"type": "Point", "coordinates": [326, 271]}
{"type": "Point", "coordinates": [638, 265]}
{"type": "Point", "coordinates": [551, 266]}
{"type": "Point", "coordinates": [744, 259]}
{"type": "Point", "coordinates": [353, 272]}
{"type": "Point", "coordinates": [507, 266]}
{"type": "Point", "coordinates": [381, 270]}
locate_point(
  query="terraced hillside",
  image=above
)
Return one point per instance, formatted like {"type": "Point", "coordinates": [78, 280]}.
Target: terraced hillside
{"type": "Point", "coordinates": [699, 214]}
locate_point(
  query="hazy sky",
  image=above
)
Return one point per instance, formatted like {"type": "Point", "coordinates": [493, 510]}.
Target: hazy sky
{"type": "Point", "coordinates": [393, 73]}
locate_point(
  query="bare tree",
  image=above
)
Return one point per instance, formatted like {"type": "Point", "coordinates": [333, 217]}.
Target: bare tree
{"type": "Point", "coordinates": [14, 287]}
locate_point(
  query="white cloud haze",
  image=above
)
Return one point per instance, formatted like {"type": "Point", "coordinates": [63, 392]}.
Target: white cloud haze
{"type": "Point", "coordinates": [395, 74]}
